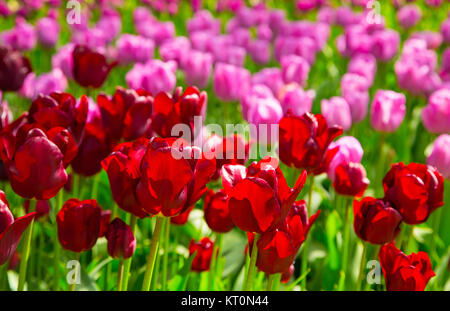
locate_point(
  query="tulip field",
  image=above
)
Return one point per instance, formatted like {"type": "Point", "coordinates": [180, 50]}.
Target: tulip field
{"type": "Point", "coordinates": [229, 145]}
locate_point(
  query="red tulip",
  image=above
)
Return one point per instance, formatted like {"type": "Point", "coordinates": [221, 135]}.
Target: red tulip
{"type": "Point", "coordinates": [227, 150]}
{"type": "Point", "coordinates": [217, 214]}
{"type": "Point", "coordinates": [127, 114]}
{"type": "Point", "coordinates": [14, 68]}
{"type": "Point", "coordinates": [121, 240]}
{"type": "Point", "coordinates": [277, 248]}
{"type": "Point", "coordinates": [405, 273]}
{"type": "Point", "coordinates": [170, 110]}
{"type": "Point", "coordinates": [35, 164]}
{"type": "Point", "coordinates": [123, 169]}
{"type": "Point", "coordinates": [94, 148]}
{"type": "Point", "coordinates": [78, 224]}
{"type": "Point", "coordinates": [350, 179]}
{"type": "Point", "coordinates": [90, 68]}
{"type": "Point", "coordinates": [304, 141]}
{"type": "Point", "coordinates": [182, 218]}
{"type": "Point", "coordinates": [204, 251]}
{"type": "Point", "coordinates": [415, 190]}
{"type": "Point", "coordinates": [105, 219]}
{"type": "Point", "coordinates": [172, 179]}
{"type": "Point", "coordinates": [11, 230]}
{"type": "Point", "coordinates": [259, 197]}
{"type": "Point", "coordinates": [376, 221]}
{"type": "Point", "coordinates": [60, 110]}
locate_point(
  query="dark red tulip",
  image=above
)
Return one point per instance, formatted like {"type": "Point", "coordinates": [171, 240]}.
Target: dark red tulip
{"type": "Point", "coordinates": [35, 165]}
{"type": "Point", "coordinates": [78, 224]}
{"type": "Point", "coordinates": [121, 240]}
{"type": "Point", "coordinates": [227, 150]}
{"type": "Point", "coordinates": [11, 230]}
{"type": "Point", "coordinates": [60, 110]}
{"type": "Point", "coordinates": [172, 178]}
{"type": "Point", "coordinates": [170, 110]}
{"type": "Point", "coordinates": [277, 248]}
{"type": "Point", "coordinates": [105, 219]}
{"type": "Point", "coordinates": [127, 114]}
{"type": "Point", "coordinates": [182, 218]}
{"type": "Point", "coordinates": [90, 68]}
{"type": "Point", "coordinates": [259, 197]}
{"type": "Point", "coordinates": [415, 190]}
{"type": "Point", "coordinates": [304, 141]}
{"type": "Point", "coordinates": [217, 214]}
{"type": "Point", "coordinates": [286, 276]}
{"type": "Point", "coordinates": [65, 142]}
{"type": "Point", "coordinates": [123, 169]}
{"type": "Point", "coordinates": [204, 251]}
{"type": "Point", "coordinates": [94, 148]}
{"type": "Point", "coordinates": [405, 273]}
{"type": "Point", "coordinates": [350, 179]}
{"type": "Point", "coordinates": [14, 68]}
{"type": "Point", "coordinates": [42, 208]}
{"type": "Point", "coordinates": [376, 221]}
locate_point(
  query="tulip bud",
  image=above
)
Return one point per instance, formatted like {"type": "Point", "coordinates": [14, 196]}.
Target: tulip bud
{"type": "Point", "coordinates": [436, 114]}
{"type": "Point", "coordinates": [230, 82]}
{"type": "Point", "coordinates": [90, 68]}
{"type": "Point", "coordinates": [292, 97]}
{"type": "Point", "coordinates": [204, 251]}
{"type": "Point", "coordinates": [41, 178]}
{"type": "Point", "coordinates": [198, 68]}
{"type": "Point", "coordinates": [134, 49]}
{"type": "Point", "coordinates": [13, 69]}
{"type": "Point", "coordinates": [388, 110]}
{"type": "Point", "coordinates": [350, 179]}
{"type": "Point", "coordinates": [376, 221]}
{"type": "Point", "coordinates": [217, 213]}
{"type": "Point", "coordinates": [155, 76]}
{"type": "Point", "coordinates": [78, 224]}
{"type": "Point", "coordinates": [63, 60]}
{"type": "Point", "coordinates": [402, 272]}
{"type": "Point", "coordinates": [350, 150]}
{"type": "Point", "coordinates": [354, 89]}
{"type": "Point", "coordinates": [47, 29]}
{"type": "Point", "coordinates": [409, 15]}
{"type": "Point", "coordinates": [105, 219]}
{"type": "Point", "coordinates": [440, 155]}
{"type": "Point", "coordinates": [304, 141]}
{"type": "Point", "coordinates": [121, 240]}
{"type": "Point", "coordinates": [294, 69]}
{"type": "Point", "coordinates": [337, 112]}
{"type": "Point", "coordinates": [415, 190]}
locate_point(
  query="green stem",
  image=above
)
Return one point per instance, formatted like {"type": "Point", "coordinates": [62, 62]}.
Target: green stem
{"type": "Point", "coordinates": [270, 282]}
{"type": "Point", "coordinates": [26, 251]}
{"type": "Point", "coordinates": [76, 185]}
{"type": "Point", "coordinates": [305, 249]}
{"type": "Point", "coordinates": [120, 275]}
{"type": "Point", "coordinates": [213, 265]}
{"type": "Point", "coordinates": [380, 166]}
{"type": "Point", "coordinates": [345, 246]}
{"type": "Point", "coordinates": [57, 247]}
{"type": "Point", "coordinates": [361, 267]}
{"type": "Point", "coordinates": [251, 267]}
{"type": "Point", "coordinates": [4, 276]}
{"type": "Point", "coordinates": [72, 286]}
{"type": "Point", "coordinates": [127, 263]}
{"type": "Point", "coordinates": [436, 224]}
{"type": "Point", "coordinates": [165, 259]}
{"type": "Point", "coordinates": [95, 185]}
{"type": "Point", "coordinates": [219, 253]}
{"type": "Point", "coordinates": [152, 255]}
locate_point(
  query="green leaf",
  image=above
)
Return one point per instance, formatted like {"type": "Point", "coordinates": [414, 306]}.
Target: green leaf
{"type": "Point", "coordinates": [179, 282]}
